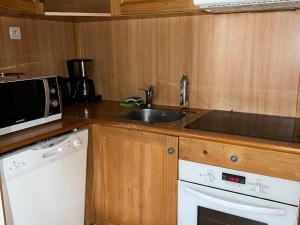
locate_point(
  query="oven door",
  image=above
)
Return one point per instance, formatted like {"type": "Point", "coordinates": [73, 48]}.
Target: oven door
{"type": "Point", "coordinates": [201, 205]}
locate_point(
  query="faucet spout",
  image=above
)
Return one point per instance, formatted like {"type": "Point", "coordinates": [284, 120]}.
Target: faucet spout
{"type": "Point", "coordinates": [149, 96]}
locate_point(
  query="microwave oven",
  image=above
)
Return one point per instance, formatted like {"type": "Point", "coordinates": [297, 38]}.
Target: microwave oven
{"type": "Point", "coordinates": [28, 102]}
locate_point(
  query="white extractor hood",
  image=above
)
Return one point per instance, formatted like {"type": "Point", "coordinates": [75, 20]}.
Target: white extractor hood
{"type": "Point", "coordinates": [223, 6]}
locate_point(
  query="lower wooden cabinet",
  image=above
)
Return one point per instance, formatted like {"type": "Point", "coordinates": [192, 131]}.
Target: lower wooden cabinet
{"type": "Point", "coordinates": [135, 177]}
{"type": "Point", "coordinates": [252, 160]}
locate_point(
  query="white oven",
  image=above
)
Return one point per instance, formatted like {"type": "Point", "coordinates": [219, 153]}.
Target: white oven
{"type": "Point", "coordinates": [211, 195]}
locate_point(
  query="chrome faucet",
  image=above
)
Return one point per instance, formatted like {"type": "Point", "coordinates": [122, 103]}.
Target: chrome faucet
{"type": "Point", "coordinates": [149, 96]}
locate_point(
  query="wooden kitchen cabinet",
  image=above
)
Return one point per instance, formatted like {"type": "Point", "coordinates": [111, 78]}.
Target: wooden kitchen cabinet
{"type": "Point", "coordinates": [135, 177]}
{"type": "Point", "coordinates": [253, 160]}
{"type": "Point", "coordinates": [78, 7]}
{"type": "Point", "coordinates": [134, 7]}
{"type": "Point", "coordinates": [22, 6]}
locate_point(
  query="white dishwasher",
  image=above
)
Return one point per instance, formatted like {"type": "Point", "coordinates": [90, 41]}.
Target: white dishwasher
{"type": "Point", "coordinates": [44, 184]}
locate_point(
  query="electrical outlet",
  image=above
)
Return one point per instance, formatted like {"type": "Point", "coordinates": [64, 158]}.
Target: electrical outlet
{"type": "Point", "coordinates": [15, 33]}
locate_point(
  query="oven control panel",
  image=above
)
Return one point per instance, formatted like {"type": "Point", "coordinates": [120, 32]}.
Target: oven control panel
{"type": "Point", "coordinates": [240, 182]}
{"type": "Point", "coordinates": [234, 178]}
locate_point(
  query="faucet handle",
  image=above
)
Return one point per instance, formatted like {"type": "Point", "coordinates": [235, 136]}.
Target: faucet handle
{"type": "Point", "coordinates": [141, 89]}
{"type": "Point", "coordinates": [151, 88]}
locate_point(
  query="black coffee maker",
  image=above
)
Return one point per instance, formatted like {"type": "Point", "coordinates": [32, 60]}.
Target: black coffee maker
{"type": "Point", "coordinates": [80, 71]}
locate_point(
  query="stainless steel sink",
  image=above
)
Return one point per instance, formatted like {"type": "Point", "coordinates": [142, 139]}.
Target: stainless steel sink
{"type": "Point", "coordinates": [155, 115]}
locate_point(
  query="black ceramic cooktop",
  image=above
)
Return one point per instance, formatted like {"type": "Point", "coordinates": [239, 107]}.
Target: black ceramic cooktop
{"type": "Point", "coordinates": [251, 125]}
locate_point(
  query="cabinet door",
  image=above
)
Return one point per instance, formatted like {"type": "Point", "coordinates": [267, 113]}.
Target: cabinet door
{"type": "Point", "coordinates": [135, 177]}
{"type": "Point", "coordinates": [23, 6]}
{"type": "Point", "coordinates": [132, 7]}
{"type": "Point", "coordinates": [92, 7]}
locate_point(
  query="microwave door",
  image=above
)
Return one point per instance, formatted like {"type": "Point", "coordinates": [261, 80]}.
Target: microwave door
{"type": "Point", "coordinates": [23, 101]}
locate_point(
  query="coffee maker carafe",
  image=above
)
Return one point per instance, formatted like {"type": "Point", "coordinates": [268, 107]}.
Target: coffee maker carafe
{"type": "Point", "coordinates": [80, 71]}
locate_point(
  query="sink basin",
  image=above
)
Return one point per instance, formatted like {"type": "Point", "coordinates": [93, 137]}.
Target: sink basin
{"type": "Point", "coordinates": [155, 115]}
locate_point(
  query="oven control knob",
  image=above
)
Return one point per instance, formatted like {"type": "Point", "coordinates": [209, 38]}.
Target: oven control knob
{"type": "Point", "coordinates": [210, 177]}
{"type": "Point", "coordinates": [54, 103]}
{"type": "Point", "coordinates": [259, 188]}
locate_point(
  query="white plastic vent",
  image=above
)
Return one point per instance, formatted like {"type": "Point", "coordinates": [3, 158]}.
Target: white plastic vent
{"type": "Point", "coordinates": [242, 5]}
{"type": "Point", "coordinates": [246, 3]}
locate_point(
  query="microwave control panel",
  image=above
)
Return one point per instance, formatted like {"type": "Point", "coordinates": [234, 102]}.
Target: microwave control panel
{"type": "Point", "coordinates": [55, 105]}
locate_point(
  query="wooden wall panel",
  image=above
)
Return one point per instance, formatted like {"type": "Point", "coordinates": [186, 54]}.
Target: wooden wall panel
{"type": "Point", "coordinates": [245, 62]}
{"type": "Point", "coordinates": [43, 50]}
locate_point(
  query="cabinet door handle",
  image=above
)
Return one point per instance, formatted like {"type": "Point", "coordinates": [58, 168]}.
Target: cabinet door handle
{"type": "Point", "coordinates": [234, 158]}
{"type": "Point", "coordinates": [171, 151]}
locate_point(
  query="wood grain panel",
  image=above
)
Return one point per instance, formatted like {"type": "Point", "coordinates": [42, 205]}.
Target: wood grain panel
{"type": "Point", "coordinates": [260, 161]}
{"type": "Point", "coordinates": [136, 179]}
{"type": "Point", "coordinates": [90, 188]}
{"type": "Point", "coordinates": [25, 6]}
{"type": "Point", "coordinates": [299, 215]}
{"type": "Point", "coordinates": [134, 7]}
{"type": "Point", "coordinates": [43, 50]}
{"type": "Point", "coordinates": [87, 6]}
{"type": "Point", "coordinates": [115, 6]}
{"type": "Point", "coordinates": [245, 62]}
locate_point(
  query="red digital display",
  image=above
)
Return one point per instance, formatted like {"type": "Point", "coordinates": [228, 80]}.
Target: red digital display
{"type": "Point", "coordinates": [233, 178]}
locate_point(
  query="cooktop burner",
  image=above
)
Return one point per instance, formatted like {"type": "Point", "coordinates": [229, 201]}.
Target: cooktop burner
{"type": "Point", "coordinates": [252, 125]}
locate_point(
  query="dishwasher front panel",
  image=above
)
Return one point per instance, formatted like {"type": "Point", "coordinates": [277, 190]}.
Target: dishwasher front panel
{"type": "Point", "coordinates": [45, 184]}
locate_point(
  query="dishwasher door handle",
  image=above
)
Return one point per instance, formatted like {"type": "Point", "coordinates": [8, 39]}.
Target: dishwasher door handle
{"type": "Point", "coordinates": [50, 144]}
{"type": "Point", "coordinates": [52, 153]}
{"type": "Point", "coordinates": [235, 205]}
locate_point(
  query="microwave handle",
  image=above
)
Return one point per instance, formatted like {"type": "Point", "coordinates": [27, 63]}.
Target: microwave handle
{"type": "Point", "coordinates": [234, 205]}
{"type": "Point", "coordinates": [47, 97]}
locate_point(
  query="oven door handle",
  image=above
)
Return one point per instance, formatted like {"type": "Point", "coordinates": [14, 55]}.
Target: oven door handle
{"type": "Point", "coordinates": [234, 205]}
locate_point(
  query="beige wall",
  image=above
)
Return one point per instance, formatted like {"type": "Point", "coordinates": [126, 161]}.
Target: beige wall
{"type": "Point", "coordinates": [43, 50]}
{"type": "Point", "coordinates": [244, 62]}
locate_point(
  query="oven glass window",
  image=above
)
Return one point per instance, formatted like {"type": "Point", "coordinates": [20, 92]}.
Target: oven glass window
{"type": "Point", "coordinates": [212, 217]}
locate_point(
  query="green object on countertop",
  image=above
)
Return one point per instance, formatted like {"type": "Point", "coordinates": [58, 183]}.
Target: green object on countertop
{"type": "Point", "coordinates": [132, 102]}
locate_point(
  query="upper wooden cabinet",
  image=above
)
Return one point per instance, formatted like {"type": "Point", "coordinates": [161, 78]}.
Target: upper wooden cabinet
{"type": "Point", "coordinates": [132, 7]}
{"type": "Point", "coordinates": [135, 175]}
{"type": "Point", "coordinates": [78, 7]}
{"type": "Point", "coordinates": [21, 6]}
{"type": "Point", "coordinates": [97, 7]}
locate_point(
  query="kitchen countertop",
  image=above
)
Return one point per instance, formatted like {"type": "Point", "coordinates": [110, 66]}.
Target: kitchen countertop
{"type": "Point", "coordinates": [28, 136]}
{"type": "Point", "coordinates": [109, 113]}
